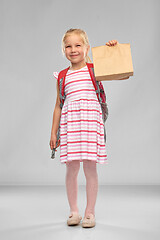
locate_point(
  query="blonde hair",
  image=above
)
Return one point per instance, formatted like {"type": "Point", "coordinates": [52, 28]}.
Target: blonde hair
{"type": "Point", "coordinates": [83, 36]}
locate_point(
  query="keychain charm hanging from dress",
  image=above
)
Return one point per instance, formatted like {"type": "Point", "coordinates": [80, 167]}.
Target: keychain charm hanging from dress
{"type": "Point", "coordinates": [53, 153]}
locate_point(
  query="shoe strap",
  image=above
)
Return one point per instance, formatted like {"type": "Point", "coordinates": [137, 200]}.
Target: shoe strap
{"type": "Point", "coordinates": [71, 214]}
{"type": "Point", "coordinates": [90, 216]}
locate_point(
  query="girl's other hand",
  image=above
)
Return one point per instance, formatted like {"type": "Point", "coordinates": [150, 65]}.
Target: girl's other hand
{"type": "Point", "coordinates": [112, 43]}
{"type": "Point", "coordinates": [53, 142]}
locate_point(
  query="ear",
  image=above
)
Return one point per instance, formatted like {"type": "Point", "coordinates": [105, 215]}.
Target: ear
{"type": "Point", "coordinates": [88, 48]}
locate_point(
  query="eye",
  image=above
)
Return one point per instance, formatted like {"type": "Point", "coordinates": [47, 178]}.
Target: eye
{"type": "Point", "coordinates": [78, 45]}
{"type": "Point", "coordinates": [68, 46]}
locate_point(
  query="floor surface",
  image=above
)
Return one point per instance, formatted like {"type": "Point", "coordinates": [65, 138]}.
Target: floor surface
{"type": "Point", "coordinates": [41, 212]}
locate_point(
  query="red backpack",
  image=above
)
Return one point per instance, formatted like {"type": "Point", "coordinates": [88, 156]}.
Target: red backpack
{"type": "Point", "coordinates": [99, 92]}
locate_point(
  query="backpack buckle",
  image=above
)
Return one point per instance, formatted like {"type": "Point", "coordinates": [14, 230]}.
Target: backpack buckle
{"type": "Point", "coordinates": [101, 90]}
{"type": "Point", "coordinates": [62, 97]}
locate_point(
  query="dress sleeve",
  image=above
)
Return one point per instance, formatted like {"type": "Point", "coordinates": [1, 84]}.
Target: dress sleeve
{"type": "Point", "coordinates": [55, 74]}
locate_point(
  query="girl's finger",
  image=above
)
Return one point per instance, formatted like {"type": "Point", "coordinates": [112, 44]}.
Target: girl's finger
{"type": "Point", "coordinates": [111, 42]}
{"type": "Point", "coordinates": [108, 43]}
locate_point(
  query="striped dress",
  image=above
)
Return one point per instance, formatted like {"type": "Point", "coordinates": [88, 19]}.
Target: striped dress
{"type": "Point", "coordinates": [81, 124]}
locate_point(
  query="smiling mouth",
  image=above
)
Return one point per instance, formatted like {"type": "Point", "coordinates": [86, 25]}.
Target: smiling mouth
{"type": "Point", "coordinates": [74, 55]}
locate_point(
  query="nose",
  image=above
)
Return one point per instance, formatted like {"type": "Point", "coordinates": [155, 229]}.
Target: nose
{"type": "Point", "coordinates": [73, 49]}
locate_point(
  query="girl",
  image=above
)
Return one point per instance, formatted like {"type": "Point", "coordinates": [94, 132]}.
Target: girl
{"type": "Point", "coordinates": [81, 126]}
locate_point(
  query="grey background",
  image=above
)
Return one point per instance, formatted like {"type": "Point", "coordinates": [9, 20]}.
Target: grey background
{"type": "Point", "coordinates": [30, 48]}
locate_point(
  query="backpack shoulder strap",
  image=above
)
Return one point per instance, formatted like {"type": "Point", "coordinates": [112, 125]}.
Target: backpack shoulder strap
{"type": "Point", "coordinates": [61, 83]}
{"type": "Point", "coordinates": [90, 65]}
{"type": "Point", "coordinates": [99, 89]}
{"type": "Point", "coordinates": [95, 83]}
{"type": "Point", "coordinates": [62, 74]}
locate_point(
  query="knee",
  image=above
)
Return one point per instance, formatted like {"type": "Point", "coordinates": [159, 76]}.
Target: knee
{"type": "Point", "coordinates": [73, 168]}
{"type": "Point", "coordinates": [90, 168]}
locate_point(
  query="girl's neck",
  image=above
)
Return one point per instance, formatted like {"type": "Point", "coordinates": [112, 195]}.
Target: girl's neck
{"type": "Point", "coordinates": [77, 66]}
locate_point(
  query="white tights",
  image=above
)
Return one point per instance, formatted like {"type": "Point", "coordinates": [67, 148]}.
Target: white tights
{"type": "Point", "coordinates": [91, 175]}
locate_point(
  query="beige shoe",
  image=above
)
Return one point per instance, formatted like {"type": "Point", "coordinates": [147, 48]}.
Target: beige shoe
{"type": "Point", "coordinates": [74, 219]}
{"type": "Point", "coordinates": [89, 221]}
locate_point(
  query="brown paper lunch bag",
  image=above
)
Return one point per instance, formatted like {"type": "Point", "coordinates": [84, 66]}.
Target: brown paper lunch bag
{"type": "Point", "coordinates": [112, 62]}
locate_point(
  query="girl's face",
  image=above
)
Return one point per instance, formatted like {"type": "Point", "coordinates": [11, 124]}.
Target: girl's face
{"type": "Point", "coordinates": [75, 49]}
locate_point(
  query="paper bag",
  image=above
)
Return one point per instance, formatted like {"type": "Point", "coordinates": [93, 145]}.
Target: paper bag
{"type": "Point", "coordinates": [112, 62]}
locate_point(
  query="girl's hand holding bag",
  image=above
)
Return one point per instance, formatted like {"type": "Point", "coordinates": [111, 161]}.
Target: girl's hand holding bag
{"type": "Point", "coordinates": [112, 63]}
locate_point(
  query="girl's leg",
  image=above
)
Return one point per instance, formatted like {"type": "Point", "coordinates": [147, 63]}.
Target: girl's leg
{"type": "Point", "coordinates": [90, 171]}
{"type": "Point", "coordinates": [72, 169]}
